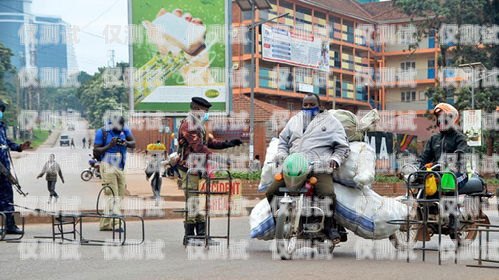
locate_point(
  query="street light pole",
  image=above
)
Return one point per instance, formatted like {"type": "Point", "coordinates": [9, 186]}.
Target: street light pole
{"type": "Point", "coordinates": [253, 5]}
{"type": "Point", "coordinates": [252, 85]}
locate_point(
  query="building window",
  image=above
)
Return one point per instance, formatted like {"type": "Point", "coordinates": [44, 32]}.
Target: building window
{"type": "Point", "coordinates": [408, 65]}
{"type": "Point", "coordinates": [422, 96]}
{"type": "Point", "coordinates": [408, 96]}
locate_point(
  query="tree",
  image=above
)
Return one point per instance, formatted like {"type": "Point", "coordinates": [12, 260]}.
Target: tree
{"type": "Point", "coordinates": [97, 97]}
{"type": "Point", "coordinates": [7, 89]}
{"type": "Point", "coordinates": [431, 15]}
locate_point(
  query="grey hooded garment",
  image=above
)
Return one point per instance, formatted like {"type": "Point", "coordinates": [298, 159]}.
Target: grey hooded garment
{"type": "Point", "coordinates": [324, 138]}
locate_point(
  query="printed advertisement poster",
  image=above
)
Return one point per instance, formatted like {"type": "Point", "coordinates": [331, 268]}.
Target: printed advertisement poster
{"type": "Point", "coordinates": [472, 127]}
{"type": "Point", "coordinates": [179, 51]}
{"type": "Point", "coordinates": [281, 45]}
{"type": "Point", "coordinates": [218, 202]}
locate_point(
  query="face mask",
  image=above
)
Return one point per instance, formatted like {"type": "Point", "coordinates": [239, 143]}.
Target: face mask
{"type": "Point", "coordinates": [310, 112]}
{"type": "Point", "coordinates": [1, 115]}
{"type": "Point", "coordinates": [205, 117]}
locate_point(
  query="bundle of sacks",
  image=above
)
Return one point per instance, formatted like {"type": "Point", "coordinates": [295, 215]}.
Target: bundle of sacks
{"type": "Point", "coordinates": [358, 207]}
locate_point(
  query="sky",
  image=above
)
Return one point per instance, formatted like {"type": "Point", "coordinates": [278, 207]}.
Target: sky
{"type": "Point", "coordinates": [91, 17]}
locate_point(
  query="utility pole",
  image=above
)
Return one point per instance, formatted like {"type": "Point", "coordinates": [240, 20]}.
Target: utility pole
{"type": "Point", "coordinates": [111, 58]}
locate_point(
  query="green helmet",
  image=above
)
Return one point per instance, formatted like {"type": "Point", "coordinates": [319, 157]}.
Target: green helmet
{"type": "Point", "coordinates": [295, 171]}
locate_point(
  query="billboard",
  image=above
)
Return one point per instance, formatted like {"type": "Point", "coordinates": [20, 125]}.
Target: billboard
{"type": "Point", "coordinates": [295, 48]}
{"type": "Point", "coordinates": [179, 50]}
{"type": "Point", "coordinates": [472, 127]}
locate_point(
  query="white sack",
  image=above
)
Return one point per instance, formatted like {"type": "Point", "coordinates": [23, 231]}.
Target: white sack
{"type": "Point", "coordinates": [359, 168]}
{"type": "Point", "coordinates": [267, 175]}
{"type": "Point", "coordinates": [261, 221]}
{"type": "Point", "coordinates": [366, 213]}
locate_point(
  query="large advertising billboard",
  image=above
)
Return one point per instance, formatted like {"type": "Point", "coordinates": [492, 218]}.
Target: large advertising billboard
{"type": "Point", "coordinates": [296, 48]}
{"type": "Point", "coordinates": [179, 50]}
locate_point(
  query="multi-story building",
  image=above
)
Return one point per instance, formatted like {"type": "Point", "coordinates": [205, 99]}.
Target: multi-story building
{"type": "Point", "coordinates": [36, 41]}
{"type": "Point", "coordinates": [406, 72]}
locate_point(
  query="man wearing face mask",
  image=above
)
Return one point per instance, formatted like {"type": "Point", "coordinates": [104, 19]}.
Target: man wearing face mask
{"type": "Point", "coordinates": [193, 140]}
{"type": "Point", "coordinates": [448, 141]}
{"type": "Point", "coordinates": [110, 147]}
{"type": "Point", "coordinates": [321, 138]}
{"type": "Point", "coordinates": [6, 192]}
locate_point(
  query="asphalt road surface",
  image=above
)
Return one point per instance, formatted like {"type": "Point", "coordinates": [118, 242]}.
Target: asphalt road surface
{"type": "Point", "coordinates": [163, 257]}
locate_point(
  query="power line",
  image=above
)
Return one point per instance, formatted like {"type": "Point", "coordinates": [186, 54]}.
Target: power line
{"type": "Point", "coordinates": [100, 15]}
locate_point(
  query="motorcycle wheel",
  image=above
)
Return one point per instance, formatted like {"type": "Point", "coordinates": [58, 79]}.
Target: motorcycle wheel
{"type": "Point", "coordinates": [285, 243]}
{"type": "Point", "coordinates": [86, 175]}
{"type": "Point", "coordinates": [467, 236]}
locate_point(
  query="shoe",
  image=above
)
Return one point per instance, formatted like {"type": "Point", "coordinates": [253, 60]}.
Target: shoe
{"type": "Point", "coordinates": [201, 231]}
{"type": "Point", "coordinates": [11, 227]}
{"type": "Point", "coordinates": [119, 230]}
{"type": "Point", "coordinates": [14, 230]}
{"type": "Point", "coordinates": [106, 229]}
{"type": "Point", "coordinates": [343, 234]}
{"type": "Point", "coordinates": [189, 231]}
{"type": "Point", "coordinates": [330, 230]}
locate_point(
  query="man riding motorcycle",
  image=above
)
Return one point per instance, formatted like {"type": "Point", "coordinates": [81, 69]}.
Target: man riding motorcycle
{"type": "Point", "coordinates": [449, 141]}
{"type": "Point", "coordinates": [321, 138]}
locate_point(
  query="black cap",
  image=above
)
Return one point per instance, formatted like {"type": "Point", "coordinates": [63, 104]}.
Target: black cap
{"type": "Point", "coordinates": [201, 102]}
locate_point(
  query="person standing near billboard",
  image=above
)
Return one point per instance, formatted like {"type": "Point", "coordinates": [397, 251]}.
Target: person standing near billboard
{"type": "Point", "coordinates": [110, 148]}
{"type": "Point", "coordinates": [193, 141]}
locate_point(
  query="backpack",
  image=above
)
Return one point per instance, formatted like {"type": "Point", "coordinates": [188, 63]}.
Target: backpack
{"type": "Point", "coordinates": [99, 155]}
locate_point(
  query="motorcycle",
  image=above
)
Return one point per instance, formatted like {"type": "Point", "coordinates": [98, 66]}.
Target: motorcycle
{"type": "Point", "coordinates": [93, 170]}
{"type": "Point", "coordinates": [296, 218]}
{"type": "Point", "coordinates": [426, 186]}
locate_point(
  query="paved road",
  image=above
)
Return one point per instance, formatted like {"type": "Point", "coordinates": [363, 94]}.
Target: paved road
{"type": "Point", "coordinates": [164, 258]}
{"type": "Point", "coordinates": [73, 161]}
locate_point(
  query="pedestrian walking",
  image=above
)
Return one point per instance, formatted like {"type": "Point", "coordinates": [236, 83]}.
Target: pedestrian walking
{"type": "Point", "coordinates": [51, 169]}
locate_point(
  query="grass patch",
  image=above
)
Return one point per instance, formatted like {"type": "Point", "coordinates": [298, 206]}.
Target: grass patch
{"type": "Point", "coordinates": [39, 137]}
{"type": "Point", "coordinates": [492, 181]}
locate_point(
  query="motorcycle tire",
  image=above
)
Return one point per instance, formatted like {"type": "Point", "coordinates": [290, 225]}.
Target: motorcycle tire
{"type": "Point", "coordinates": [86, 175]}
{"type": "Point", "coordinates": [466, 234]}
{"type": "Point", "coordinates": [285, 247]}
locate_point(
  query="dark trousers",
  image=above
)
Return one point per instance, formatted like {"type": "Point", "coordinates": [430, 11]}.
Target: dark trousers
{"type": "Point", "coordinates": [6, 195]}
{"type": "Point", "coordinates": [156, 184]}
{"type": "Point", "coordinates": [51, 188]}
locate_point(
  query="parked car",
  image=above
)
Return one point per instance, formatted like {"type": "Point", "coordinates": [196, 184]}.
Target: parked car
{"type": "Point", "coordinates": [64, 140]}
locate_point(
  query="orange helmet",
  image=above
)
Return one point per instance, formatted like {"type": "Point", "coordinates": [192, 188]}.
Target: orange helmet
{"type": "Point", "coordinates": [447, 109]}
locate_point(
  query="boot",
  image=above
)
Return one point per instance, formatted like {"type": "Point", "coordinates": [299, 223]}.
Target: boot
{"type": "Point", "coordinates": [330, 230]}
{"type": "Point", "coordinates": [189, 231]}
{"type": "Point", "coordinates": [201, 231]}
{"type": "Point", "coordinates": [11, 225]}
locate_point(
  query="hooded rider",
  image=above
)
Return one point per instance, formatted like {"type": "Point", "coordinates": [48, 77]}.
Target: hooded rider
{"type": "Point", "coordinates": [447, 142]}
{"type": "Point", "coordinates": [320, 137]}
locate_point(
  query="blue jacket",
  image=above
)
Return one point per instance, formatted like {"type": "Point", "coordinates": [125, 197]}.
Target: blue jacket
{"type": "Point", "coordinates": [5, 144]}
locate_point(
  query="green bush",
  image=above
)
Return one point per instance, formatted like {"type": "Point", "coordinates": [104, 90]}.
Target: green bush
{"type": "Point", "coordinates": [387, 179]}
{"type": "Point", "coordinates": [244, 175]}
